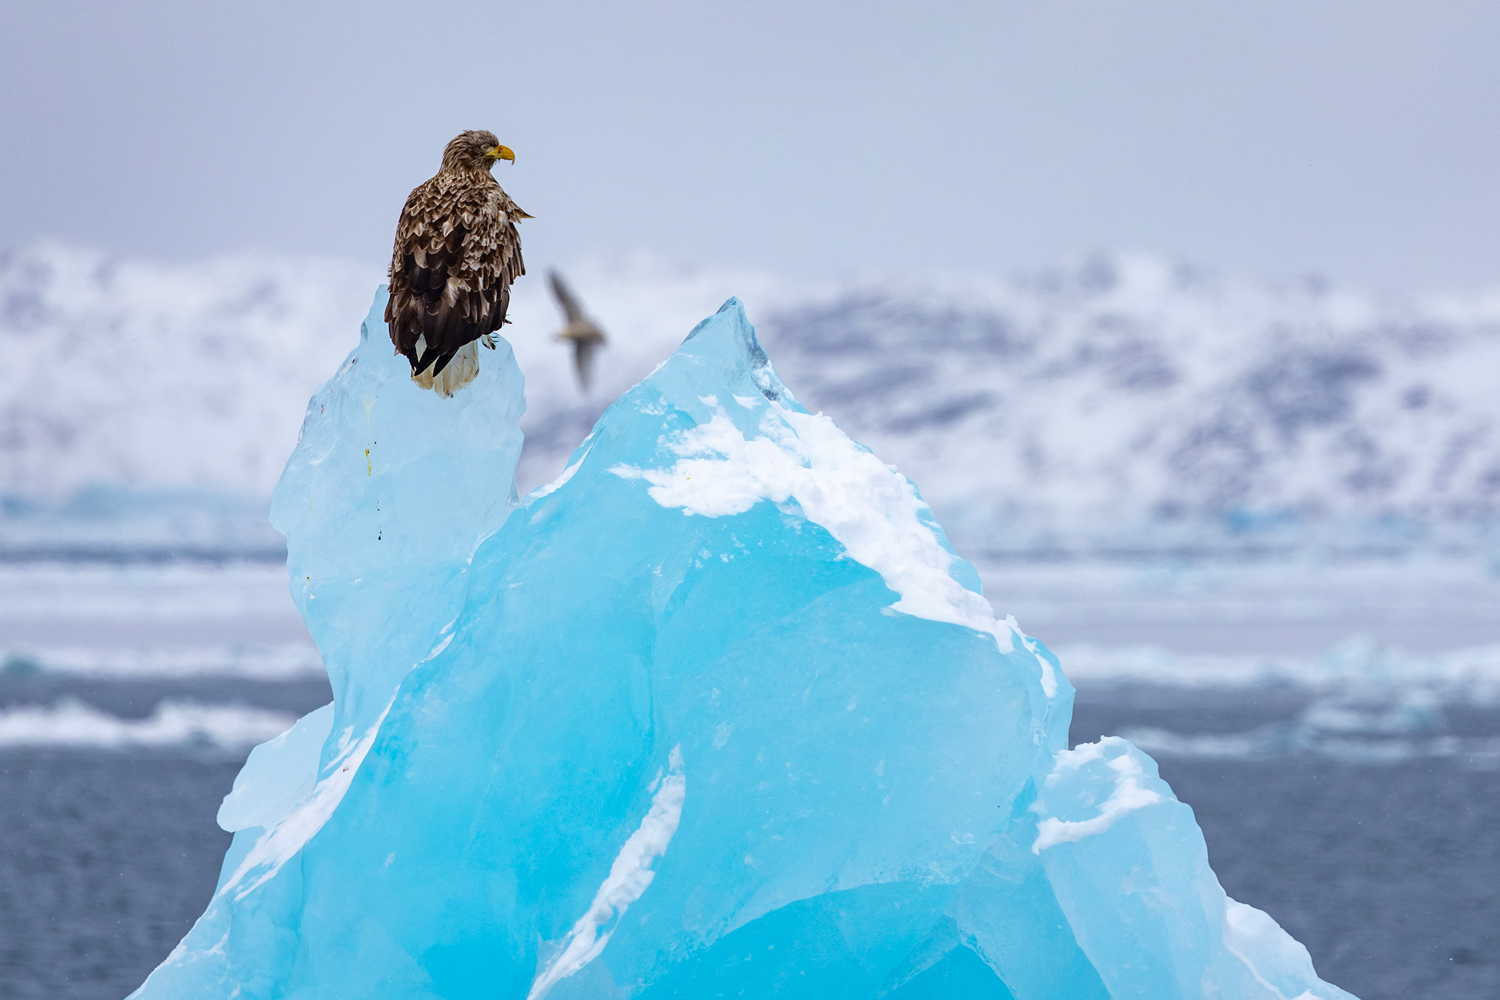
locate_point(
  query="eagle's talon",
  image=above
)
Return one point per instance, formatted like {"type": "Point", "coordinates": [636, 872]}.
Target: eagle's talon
{"type": "Point", "coordinates": [488, 341]}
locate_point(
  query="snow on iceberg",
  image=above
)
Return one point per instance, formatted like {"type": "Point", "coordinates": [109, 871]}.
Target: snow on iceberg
{"type": "Point", "coordinates": [717, 712]}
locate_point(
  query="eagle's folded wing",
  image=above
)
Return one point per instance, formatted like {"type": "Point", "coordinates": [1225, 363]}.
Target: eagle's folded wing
{"type": "Point", "coordinates": [454, 262]}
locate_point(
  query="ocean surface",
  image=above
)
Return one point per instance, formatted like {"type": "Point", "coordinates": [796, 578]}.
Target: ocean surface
{"type": "Point", "coordinates": [1336, 729]}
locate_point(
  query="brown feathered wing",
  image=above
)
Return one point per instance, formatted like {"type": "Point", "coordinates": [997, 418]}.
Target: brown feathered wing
{"type": "Point", "coordinates": [457, 252]}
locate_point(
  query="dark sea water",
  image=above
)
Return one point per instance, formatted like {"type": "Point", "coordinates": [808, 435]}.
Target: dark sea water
{"type": "Point", "coordinates": [1388, 872]}
{"type": "Point", "coordinates": [107, 856]}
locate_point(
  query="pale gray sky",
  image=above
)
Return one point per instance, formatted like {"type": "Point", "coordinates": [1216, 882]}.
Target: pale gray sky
{"type": "Point", "coordinates": [1354, 137]}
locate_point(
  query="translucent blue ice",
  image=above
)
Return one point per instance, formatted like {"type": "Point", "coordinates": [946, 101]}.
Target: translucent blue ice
{"type": "Point", "coordinates": [718, 712]}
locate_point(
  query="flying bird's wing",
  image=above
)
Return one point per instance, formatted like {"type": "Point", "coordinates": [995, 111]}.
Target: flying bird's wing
{"type": "Point", "coordinates": [570, 307]}
{"type": "Point", "coordinates": [583, 361]}
{"type": "Point", "coordinates": [583, 333]}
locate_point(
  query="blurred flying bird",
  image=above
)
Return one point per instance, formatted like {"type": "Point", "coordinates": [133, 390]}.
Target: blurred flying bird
{"type": "Point", "coordinates": [457, 252]}
{"type": "Point", "coordinates": [584, 333]}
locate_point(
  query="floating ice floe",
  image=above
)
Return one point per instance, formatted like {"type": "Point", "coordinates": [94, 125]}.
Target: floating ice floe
{"type": "Point", "coordinates": [1360, 665]}
{"type": "Point", "coordinates": [279, 662]}
{"type": "Point", "coordinates": [74, 724]}
{"type": "Point", "coordinates": [720, 712]}
{"type": "Point", "coordinates": [1358, 726]}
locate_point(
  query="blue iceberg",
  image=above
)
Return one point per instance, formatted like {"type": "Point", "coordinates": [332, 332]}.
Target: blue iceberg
{"type": "Point", "coordinates": [718, 712]}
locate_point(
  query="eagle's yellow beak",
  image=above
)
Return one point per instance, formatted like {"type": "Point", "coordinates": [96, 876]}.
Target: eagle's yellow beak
{"type": "Point", "coordinates": [500, 153]}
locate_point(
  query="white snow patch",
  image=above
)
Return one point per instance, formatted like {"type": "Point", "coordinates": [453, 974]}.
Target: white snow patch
{"type": "Point", "coordinates": [628, 877]}
{"type": "Point", "coordinates": [1128, 795]}
{"type": "Point", "coordinates": [557, 483]}
{"type": "Point", "coordinates": [438, 649]}
{"type": "Point", "coordinates": [871, 510]}
{"type": "Point", "coordinates": [1049, 676]}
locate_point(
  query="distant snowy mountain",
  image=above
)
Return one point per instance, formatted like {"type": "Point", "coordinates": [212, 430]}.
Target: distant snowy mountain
{"type": "Point", "coordinates": [1128, 404]}
{"type": "Point", "coordinates": [1120, 404]}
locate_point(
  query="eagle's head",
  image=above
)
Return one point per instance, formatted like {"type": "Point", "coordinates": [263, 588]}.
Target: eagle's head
{"type": "Point", "coordinates": [475, 151]}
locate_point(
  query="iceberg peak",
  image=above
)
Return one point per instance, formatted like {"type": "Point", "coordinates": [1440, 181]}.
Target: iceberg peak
{"type": "Point", "coordinates": [719, 710]}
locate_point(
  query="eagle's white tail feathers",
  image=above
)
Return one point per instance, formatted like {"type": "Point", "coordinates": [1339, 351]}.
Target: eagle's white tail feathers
{"type": "Point", "coordinates": [459, 372]}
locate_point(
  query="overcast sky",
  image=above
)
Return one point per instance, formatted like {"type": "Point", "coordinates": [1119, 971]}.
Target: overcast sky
{"type": "Point", "coordinates": [1356, 138]}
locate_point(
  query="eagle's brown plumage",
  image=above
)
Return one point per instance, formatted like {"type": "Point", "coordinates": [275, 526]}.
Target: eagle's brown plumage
{"type": "Point", "coordinates": [457, 252]}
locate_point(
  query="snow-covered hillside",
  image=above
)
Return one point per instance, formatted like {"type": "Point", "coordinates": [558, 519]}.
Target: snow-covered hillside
{"type": "Point", "coordinates": [1118, 404]}
{"type": "Point", "coordinates": [1126, 404]}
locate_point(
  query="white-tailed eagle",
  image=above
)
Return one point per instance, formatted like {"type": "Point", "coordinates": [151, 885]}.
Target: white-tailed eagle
{"type": "Point", "coordinates": [457, 253]}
